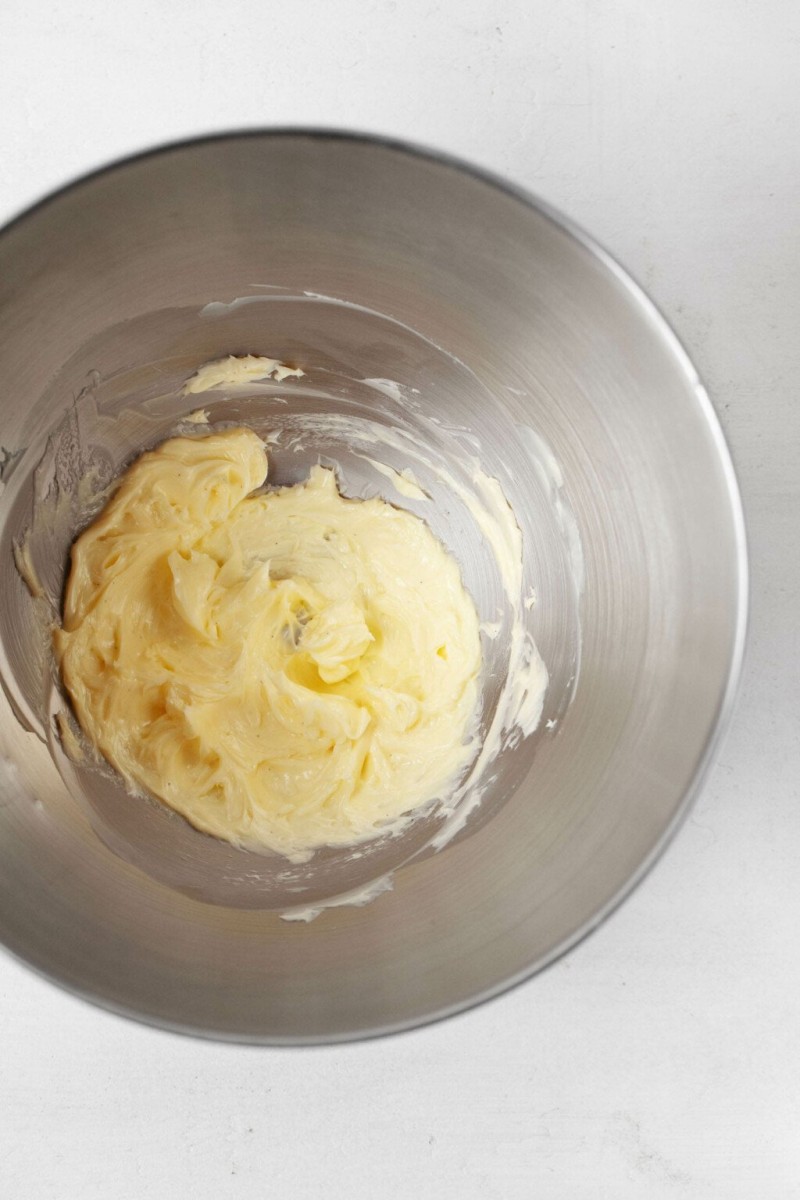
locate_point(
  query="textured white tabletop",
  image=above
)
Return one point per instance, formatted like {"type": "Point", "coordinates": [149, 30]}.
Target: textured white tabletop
{"type": "Point", "coordinates": [662, 1057]}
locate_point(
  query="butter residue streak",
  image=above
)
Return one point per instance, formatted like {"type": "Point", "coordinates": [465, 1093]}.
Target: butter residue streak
{"type": "Point", "coordinates": [404, 481]}
{"type": "Point", "coordinates": [26, 568]}
{"type": "Point", "coordinates": [357, 898]}
{"type": "Point", "coordinates": [287, 669]}
{"type": "Point", "coordinates": [69, 741]}
{"type": "Point", "coordinates": [230, 371]}
{"type": "Point", "coordinates": [519, 709]}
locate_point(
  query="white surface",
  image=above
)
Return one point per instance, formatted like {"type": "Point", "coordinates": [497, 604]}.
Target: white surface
{"type": "Point", "coordinates": [662, 1057]}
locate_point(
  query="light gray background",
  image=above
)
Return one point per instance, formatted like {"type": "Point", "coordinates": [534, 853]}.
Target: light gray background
{"type": "Point", "coordinates": [662, 1057]}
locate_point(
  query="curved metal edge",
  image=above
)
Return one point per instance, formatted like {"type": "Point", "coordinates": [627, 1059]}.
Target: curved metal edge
{"type": "Point", "coordinates": [727, 703]}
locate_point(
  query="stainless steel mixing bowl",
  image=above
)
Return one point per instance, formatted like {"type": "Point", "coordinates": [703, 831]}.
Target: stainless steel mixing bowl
{"type": "Point", "coordinates": [498, 325]}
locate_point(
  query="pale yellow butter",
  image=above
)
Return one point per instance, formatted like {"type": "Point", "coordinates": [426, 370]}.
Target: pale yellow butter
{"type": "Point", "coordinates": [233, 370]}
{"type": "Point", "coordinates": [290, 669]}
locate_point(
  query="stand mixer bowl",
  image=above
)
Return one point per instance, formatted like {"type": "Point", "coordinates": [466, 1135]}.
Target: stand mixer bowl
{"type": "Point", "coordinates": [471, 320]}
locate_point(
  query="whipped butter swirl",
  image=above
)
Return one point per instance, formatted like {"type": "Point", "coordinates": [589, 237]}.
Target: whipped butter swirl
{"type": "Point", "coordinates": [287, 669]}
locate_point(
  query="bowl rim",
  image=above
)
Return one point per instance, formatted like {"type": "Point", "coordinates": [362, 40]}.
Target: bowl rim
{"type": "Point", "coordinates": [726, 707]}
